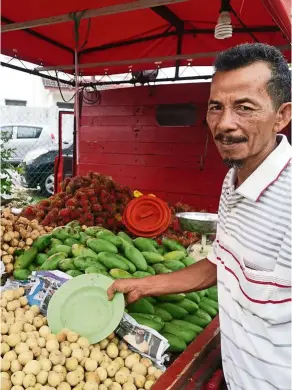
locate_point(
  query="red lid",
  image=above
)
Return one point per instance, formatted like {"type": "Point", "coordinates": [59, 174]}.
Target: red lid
{"type": "Point", "coordinates": [147, 216]}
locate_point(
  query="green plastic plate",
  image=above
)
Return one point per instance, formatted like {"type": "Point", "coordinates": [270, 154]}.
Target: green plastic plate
{"type": "Point", "coordinates": [81, 305]}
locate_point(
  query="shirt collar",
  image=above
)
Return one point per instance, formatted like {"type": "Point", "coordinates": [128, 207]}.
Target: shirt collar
{"type": "Point", "coordinates": [267, 173]}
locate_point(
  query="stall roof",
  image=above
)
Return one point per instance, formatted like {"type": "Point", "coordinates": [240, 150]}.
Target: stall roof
{"type": "Point", "coordinates": [143, 34]}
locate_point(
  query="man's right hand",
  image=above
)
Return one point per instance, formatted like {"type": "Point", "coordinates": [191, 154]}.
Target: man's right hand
{"type": "Point", "coordinates": [132, 288]}
{"type": "Point", "coordinates": [198, 276]}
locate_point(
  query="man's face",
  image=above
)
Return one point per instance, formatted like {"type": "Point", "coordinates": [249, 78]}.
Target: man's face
{"type": "Point", "coordinates": [241, 115]}
{"type": "Point", "coordinates": [139, 337]}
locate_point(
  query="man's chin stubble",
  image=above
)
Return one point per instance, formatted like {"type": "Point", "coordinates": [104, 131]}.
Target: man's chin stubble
{"type": "Point", "coordinates": [231, 163]}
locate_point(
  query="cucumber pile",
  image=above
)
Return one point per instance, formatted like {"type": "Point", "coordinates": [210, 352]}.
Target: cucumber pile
{"type": "Point", "coordinates": [178, 317]}
{"type": "Point", "coordinates": [97, 250]}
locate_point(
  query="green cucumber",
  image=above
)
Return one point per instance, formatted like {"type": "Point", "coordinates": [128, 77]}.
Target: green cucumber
{"type": "Point", "coordinates": [208, 309]}
{"type": "Point", "coordinates": [149, 316]}
{"type": "Point", "coordinates": [59, 249]}
{"type": "Point", "coordinates": [126, 237]}
{"type": "Point", "coordinates": [136, 257]}
{"type": "Point", "coordinates": [96, 270]}
{"type": "Point", "coordinates": [194, 319]}
{"type": "Point", "coordinates": [141, 306]}
{"type": "Point", "coordinates": [131, 266]}
{"type": "Point", "coordinates": [110, 237]}
{"type": "Point", "coordinates": [173, 265]}
{"type": "Point", "coordinates": [174, 255]}
{"type": "Point", "coordinates": [182, 324]}
{"type": "Point", "coordinates": [187, 335]}
{"type": "Point", "coordinates": [74, 273]}
{"type": "Point", "coordinates": [171, 298]}
{"type": "Point", "coordinates": [99, 245]}
{"type": "Point", "coordinates": [210, 302]}
{"type": "Point", "coordinates": [163, 314]}
{"type": "Point", "coordinates": [147, 322]}
{"type": "Point", "coordinates": [151, 300]}
{"type": "Point", "coordinates": [53, 261]}
{"type": "Point", "coordinates": [160, 269]}
{"type": "Point", "coordinates": [152, 258]}
{"type": "Point", "coordinates": [71, 241]}
{"type": "Point", "coordinates": [188, 305]}
{"type": "Point", "coordinates": [26, 259]}
{"type": "Point", "coordinates": [21, 274]}
{"type": "Point", "coordinates": [174, 310]}
{"type": "Point", "coordinates": [202, 314]}
{"type": "Point", "coordinates": [55, 241]}
{"type": "Point", "coordinates": [119, 274]}
{"type": "Point", "coordinates": [83, 262]}
{"type": "Point", "coordinates": [66, 265]}
{"type": "Point", "coordinates": [144, 244]}
{"type": "Point", "coordinates": [176, 344]}
{"type": "Point", "coordinates": [109, 260]}
{"type": "Point", "coordinates": [193, 296]}
{"type": "Point", "coordinates": [188, 261]}
{"type": "Point", "coordinates": [141, 274]}
{"type": "Point", "coordinates": [41, 258]}
{"type": "Point", "coordinates": [150, 270]}
{"type": "Point", "coordinates": [42, 242]}
{"type": "Point", "coordinates": [173, 245]}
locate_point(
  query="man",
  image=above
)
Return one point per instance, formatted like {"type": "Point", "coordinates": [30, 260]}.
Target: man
{"type": "Point", "coordinates": [137, 340]}
{"type": "Point", "coordinates": [251, 258]}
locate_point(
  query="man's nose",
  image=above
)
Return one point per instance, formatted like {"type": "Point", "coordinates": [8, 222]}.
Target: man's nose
{"type": "Point", "coordinates": [227, 121]}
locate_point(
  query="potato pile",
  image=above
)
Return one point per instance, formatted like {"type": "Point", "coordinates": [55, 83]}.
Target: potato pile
{"type": "Point", "coordinates": [34, 358]}
{"type": "Point", "coordinates": [17, 232]}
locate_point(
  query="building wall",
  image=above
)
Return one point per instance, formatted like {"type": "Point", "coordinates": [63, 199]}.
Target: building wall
{"type": "Point", "coordinates": [16, 85]}
{"type": "Point", "coordinates": [120, 137]}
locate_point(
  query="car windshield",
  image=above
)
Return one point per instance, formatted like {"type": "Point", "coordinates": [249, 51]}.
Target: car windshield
{"type": "Point", "coordinates": [6, 132]}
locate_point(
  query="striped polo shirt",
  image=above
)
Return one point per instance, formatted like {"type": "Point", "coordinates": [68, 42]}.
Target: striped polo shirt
{"type": "Point", "coordinates": [252, 252]}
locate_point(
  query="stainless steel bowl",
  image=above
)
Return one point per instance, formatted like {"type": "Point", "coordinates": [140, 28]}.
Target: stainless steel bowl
{"type": "Point", "coordinates": [202, 223]}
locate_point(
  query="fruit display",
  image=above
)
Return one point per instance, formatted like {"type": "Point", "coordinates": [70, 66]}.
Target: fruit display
{"type": "Point", "coordinates": [71, 249]}
{"type": "Point", "coordinates": [17, 234]}
{"type": "Point", "coordinates": [178, 317]}
{"type": "Point", "coordinates": [94, 199]}
{"type": "Point", "coordinates": [75, 250]}
{"type": "Point", "coordinates": [34, 358]}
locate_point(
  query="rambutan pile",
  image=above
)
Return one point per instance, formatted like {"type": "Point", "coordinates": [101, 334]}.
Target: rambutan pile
{"type": "Point", "coordinates": [174, 231]}
{"type": "Point", "coordinates": [93, 199]}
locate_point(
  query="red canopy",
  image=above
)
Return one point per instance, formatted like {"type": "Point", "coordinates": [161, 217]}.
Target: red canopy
{"type": "Point", "coordinates": [116, 41]}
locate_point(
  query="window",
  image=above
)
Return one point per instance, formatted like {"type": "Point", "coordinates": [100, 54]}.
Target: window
{"type": "Point", "coordinates": [176, 115]}
{"type": "Point", "coordinates": [64, 105]}
{"type": "Point", "coordinates": [28, 132]}
{"type": "Point", "coordinates": [10, 102]}
{"type": "Point", "coordinates": [6, 132]}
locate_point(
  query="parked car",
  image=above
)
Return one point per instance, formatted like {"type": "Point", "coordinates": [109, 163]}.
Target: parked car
{"type": "Point", "coordinates": [38, 168]}
{"type": "Point", "coordinates": [23, 138]}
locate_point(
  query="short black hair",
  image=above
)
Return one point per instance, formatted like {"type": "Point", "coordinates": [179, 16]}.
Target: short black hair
{"type": "Point", "coordinates": [279, 85]}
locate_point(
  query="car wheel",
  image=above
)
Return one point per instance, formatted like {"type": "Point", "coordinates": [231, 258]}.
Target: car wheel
{"type": "Point", "coordinates": [47, 185]}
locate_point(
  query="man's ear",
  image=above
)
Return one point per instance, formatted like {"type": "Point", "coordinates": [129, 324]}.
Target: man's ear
{"type": "Point", "coordinates": [283, 117]}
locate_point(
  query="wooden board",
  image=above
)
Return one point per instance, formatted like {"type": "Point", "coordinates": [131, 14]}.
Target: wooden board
{"type": "Point", "coordinates": [120, 137]}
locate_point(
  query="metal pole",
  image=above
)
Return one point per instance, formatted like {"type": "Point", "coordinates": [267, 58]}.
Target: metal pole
{"type": "Point", "coordinates": [77, 113]}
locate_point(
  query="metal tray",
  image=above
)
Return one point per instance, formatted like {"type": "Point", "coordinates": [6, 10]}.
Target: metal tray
{"type": "Point", "coordinates": [201, 223]}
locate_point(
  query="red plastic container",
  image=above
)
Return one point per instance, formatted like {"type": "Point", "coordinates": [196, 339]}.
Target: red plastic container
{"type": "Point", "coordinates": [147, 216]}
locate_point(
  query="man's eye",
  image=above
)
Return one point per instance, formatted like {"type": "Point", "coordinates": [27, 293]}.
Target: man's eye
{"type": "Point", "coordinates": [244, 108]}
{"type": "Point", "coordinates": [214, 108]}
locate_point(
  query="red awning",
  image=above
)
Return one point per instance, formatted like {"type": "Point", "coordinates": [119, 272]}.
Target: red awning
{"type": "Point", "coordinates": [139, 39]}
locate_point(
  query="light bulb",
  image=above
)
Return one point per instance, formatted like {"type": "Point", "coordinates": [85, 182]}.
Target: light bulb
{"type": "Point", "coordinates": [223, 27]}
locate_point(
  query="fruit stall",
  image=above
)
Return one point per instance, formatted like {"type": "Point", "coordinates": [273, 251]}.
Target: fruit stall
{"type": "Point", "coordinates": [87, 229]}
{"type": "Point", "coordinates": [58, 329]}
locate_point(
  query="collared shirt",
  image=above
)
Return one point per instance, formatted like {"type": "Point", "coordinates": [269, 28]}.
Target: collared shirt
{"type": "Point", "coordinates": [252, 252]}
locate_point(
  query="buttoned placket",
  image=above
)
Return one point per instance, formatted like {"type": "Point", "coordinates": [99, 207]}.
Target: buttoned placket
{"type": "Point", "coordinates": [232, 198]}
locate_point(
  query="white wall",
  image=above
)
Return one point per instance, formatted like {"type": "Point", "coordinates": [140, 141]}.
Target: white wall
{"type": "Point", "coordinates": [16, 85]}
